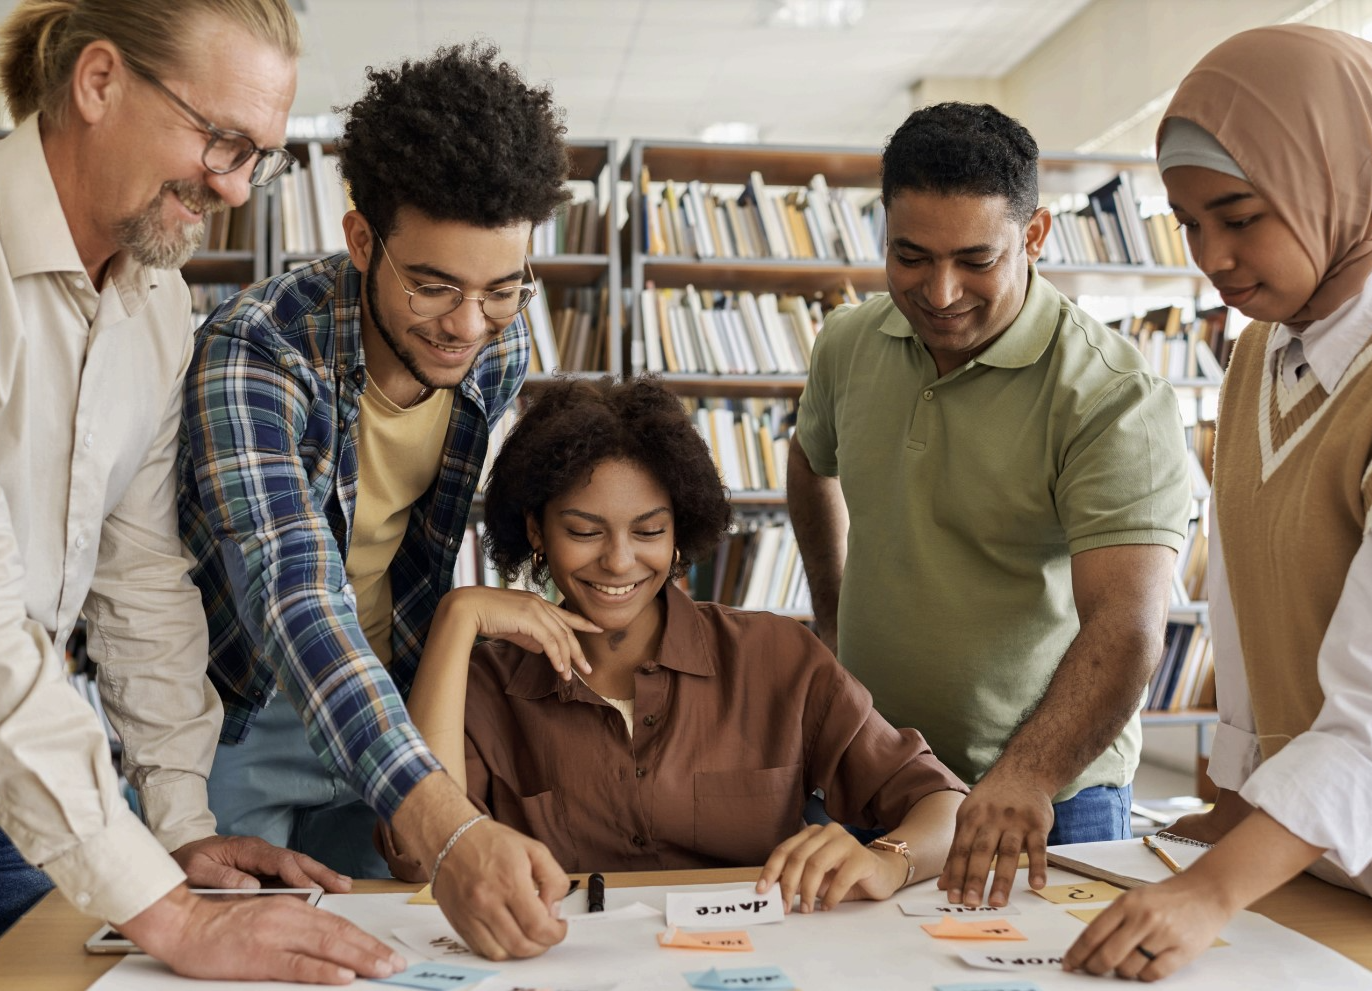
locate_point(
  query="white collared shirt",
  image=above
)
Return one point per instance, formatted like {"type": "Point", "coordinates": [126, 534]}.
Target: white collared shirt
{"type": "Point", "coordinates": [89, 412]}
{"type": "Point", "coordinates": [1334, 757]}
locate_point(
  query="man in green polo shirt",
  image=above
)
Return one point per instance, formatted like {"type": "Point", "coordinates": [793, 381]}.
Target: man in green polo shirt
{"type": "Point", "coordinates": [989, 489]}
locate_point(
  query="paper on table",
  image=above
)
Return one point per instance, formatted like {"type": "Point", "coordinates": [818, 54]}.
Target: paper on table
{"type": "Point", "coordinates": [938, 907]}
{"type": "Point", "coordinates": [636, 910]}
{"type": "Point", "coordinates": [1127, 863]}
{"type": "Point", "coordinates": [739, 977]}
{"type": "Point", "coordinates": [1021, 960]}
{"type": "Point", "coordinates": [728, 942]}
{"type": "Point", "coordinates": [740, 907]}
{"type": "Point", "coordinates": [437, 942]}
{"type": "Point", "coordinates": [1087, 891]}
{"type": "Point", "coordinates": [437, 977]}
{"type": "Point", "coordinates": [973, 929]}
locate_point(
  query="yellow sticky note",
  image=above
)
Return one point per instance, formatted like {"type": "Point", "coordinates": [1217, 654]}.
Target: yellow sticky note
{"type": "Point", "coordinates": [733, 942]}
{"type": "Point", "coordinates": [975, 929]}
{"type": "Point", "coordinates": [1091, 891]}
{"type": "Point", "coordinates": [1087, 915]}
{"type": "Point", "coordinates": [424, 896]}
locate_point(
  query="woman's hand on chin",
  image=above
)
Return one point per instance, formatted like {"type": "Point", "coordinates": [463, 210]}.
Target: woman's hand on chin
{"type": "Point", "coordinates": [525, 619]}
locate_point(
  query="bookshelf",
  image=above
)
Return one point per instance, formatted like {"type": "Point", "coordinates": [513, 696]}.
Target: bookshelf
{"type": "Point", "coordinates": [1141, 258]}
{"type": "Point", "coordinates": [308, 203]}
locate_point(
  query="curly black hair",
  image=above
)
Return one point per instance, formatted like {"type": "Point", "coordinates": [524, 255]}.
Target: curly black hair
{"type": "Point", "coordinates": [963, 148]}
{"type": "Point", "coordinates": [458, 136]}
{"type": "Point", "coordinates": [574, 425]}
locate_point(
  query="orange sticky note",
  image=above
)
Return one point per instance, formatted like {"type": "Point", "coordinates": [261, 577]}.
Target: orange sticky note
{"type": "Point", "coordinates": [1090, 891]}
{"type": "Point", "coordinates": [975, 929]}
{"type": "Point", "coordinates": [424, 896]}
{"type": "Point", "coordinates": [736, 941]}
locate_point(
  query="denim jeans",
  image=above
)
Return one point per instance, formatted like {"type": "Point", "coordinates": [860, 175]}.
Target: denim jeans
{"type": "Point", "coordinates": [273, 785]}
{"type": "Point", "coordinates": [1099, 813]}
{"type": "Point", "coordinates": [21, 884]}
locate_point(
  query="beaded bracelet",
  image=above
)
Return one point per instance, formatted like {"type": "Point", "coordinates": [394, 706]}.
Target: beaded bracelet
{"type": "Point", "coordinates": [457, 835]}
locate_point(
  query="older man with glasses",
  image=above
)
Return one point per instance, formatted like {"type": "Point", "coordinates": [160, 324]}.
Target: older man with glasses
{"type": "Point", "coordinates": [104, 187]}
{"type": "Point", "coordinates": [335, 423]}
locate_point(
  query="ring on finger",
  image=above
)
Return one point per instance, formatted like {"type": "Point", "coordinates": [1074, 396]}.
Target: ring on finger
{"type": "Point", "coordinates": [1149, 954]}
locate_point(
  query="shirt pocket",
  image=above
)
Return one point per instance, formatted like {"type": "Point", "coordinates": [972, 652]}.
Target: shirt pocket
{"type": "Point", "coordinates": [741, 815]}
{"type": "Point", "coordinates": [541, 816]}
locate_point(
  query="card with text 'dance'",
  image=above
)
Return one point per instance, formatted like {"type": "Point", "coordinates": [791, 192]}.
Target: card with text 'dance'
{"type": "Point", "coordinates": [1087, 891]}
{"type": "Point", "coordinates": [972, 929]}
{"type": "Point", "coordinates": [738, 907]}
{"type": "Point", "coordinates": [728, 942]}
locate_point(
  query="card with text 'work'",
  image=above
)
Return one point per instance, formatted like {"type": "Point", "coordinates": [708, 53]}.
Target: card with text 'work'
{"type": "Point", "coordinates": [1090, 891]}
{"type": "Point", "coordinates": [972, 929]}
{"type": "Point", "coordinates": [739, 907]}
{"type": "Point", "coordinates": [1023, 960]}
{"type": "Point", "coordinates": [731, 942]}
{"type": "Point", "coordinates": [437, 977]}
{"type": "Point", "coordinates": [735, 978]}
{"type": "Point", "coordinates": [936, 907]}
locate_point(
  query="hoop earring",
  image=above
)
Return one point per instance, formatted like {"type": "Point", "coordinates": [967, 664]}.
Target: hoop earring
{"type": "Point", "coordinates": [538, 560]}
{"type": "Point", "coordinates": [676, 558]}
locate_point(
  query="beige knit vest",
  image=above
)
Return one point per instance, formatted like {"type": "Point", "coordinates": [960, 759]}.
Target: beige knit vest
{"type": "Point", "coordinates": [1292, 492]}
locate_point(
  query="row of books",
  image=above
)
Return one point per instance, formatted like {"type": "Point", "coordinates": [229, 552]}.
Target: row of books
{"type": "Point", "coordinates": [313, 202]}
{"type": "Point", "coordinates": [229, 230]}
{"type": "Point", "coordinates": [748, 438]}
{"type": "Point", "coordinates": [570, 329]}
{"type": "Point", "coordinates": [206, 297]}
{"type": "Point", "coordinates": [1188, 579]}
{"type": "Point", "coordinates": [1185, 676]}
{"type": "Point", "coordinates": [755, 220]}
{"type": "Point", "coordinates": [1178, 349]}
{"type": "Point", "coordinates": [709, 332]}
{"type": "Point", "coordinates": [575, 229]}
{"type": "Point", "coordinates": [1110, 225]}
{"type": "Point", "coordinates": [757, 568]}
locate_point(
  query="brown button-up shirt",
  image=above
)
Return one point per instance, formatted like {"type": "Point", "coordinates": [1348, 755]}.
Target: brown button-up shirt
{"type": "Point", "coordinates": [737, 720]}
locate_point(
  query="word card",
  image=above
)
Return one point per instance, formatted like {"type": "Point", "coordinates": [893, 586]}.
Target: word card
{"type": "Point", "coordinates": [733, 942]}
{"type": "Point", "coordinates": [1091, 891]}
{"type": "Point", "coordinates": [1012, 961]}
{"type": "Point", "coordinates": [732, 978]}
{"type": "Point", "coordinates": [741, 907]}
{"type": "Point", "coordinates": [974, 929]}
{"type": "Point", "coordinates": [437, 977]}
{"type": "Point", "coordinates": [936, 907]}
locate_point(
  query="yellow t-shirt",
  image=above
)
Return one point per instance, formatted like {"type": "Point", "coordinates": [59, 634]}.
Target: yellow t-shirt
{"type": "Point", "coordinates": [398, 452]}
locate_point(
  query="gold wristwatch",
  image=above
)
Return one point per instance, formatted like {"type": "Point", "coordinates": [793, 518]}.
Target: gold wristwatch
{"type": "Point", "coordinates": [900, 847]}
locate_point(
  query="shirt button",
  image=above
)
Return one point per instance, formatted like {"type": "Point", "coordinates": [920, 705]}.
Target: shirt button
{"type": "Point", "coordinates": [928, 393]}
{"type": "Point", "coordinates": [452, 542]}
{"type": "Point", "coordinates": [80, 284]}
{"type": "Point", "coordinates": [649, 720]}
{"type": "Point", "coordinates": [88, 440]}
{"type": "Point", "coordinates": [82, 899]}
{"type": "Point", "coordinates": [638, 841]}
{"type": "Point", "coordinates": [80, 540]}
{"type": "Point", "coordinates": [639, 772]}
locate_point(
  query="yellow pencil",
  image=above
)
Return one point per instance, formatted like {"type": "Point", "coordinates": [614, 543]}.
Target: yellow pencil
{"type": "Point", "coordinates": [1163, 855]}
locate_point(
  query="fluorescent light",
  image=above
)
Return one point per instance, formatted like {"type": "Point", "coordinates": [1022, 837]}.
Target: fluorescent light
{"type": "Point", "coordinates": [817, 14]}
{"type": "Point", "coordinates": [731, 132]}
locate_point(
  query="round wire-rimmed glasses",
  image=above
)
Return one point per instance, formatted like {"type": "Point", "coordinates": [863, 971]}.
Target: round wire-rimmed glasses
{"type": "Point", "coordinates": [228, 151]}
{"type": "Point", "coordinates": [438, 300]}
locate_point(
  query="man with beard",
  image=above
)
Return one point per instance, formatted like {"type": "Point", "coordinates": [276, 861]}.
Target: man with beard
{"type": "Point", "coordinates": [103, 189]}
{"type": "Point", "coordinates": [335, 423]}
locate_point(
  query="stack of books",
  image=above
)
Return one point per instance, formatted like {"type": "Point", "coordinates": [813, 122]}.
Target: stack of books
{"type": "Point", "coordinates": [742, 333]}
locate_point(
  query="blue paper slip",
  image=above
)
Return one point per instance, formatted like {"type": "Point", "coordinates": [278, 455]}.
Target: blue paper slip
{"type": "Point", "coordinates": [734, 978]}
{"type": "Point", "coordinates": [989, 986]}
{"type": "Point", "coordinates": [437, 977]}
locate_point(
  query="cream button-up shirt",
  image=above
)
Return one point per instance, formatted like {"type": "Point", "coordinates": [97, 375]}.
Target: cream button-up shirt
{"type": "Point", "coordinates": [89, 411]}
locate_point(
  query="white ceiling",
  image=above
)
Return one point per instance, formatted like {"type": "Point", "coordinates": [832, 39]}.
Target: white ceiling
{"type": "Point", "coordinates": [667, 68]}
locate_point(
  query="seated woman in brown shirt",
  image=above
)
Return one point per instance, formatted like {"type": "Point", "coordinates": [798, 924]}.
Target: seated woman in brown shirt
{"type": "Point", "coordinates": [690, 733]}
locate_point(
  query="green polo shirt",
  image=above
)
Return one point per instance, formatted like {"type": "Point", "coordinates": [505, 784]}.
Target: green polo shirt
{"type": "Point", "coordinates": [969, 493]}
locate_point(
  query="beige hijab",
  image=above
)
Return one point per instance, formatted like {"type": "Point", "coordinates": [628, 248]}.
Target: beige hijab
{"type": "Point", "coordinates": [1293, 106]}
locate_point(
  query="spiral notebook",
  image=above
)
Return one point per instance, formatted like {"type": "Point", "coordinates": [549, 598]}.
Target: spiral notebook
{"type": "Point", "coordinates": [1126, 863]}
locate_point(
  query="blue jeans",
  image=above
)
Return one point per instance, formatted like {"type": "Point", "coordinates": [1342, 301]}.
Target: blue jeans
{"type": "Point", "coordinates": [273, 785]}
{"type": "Point", "coordinates": [1099, 813]}
{"type": "Point", "coordinates": [21, 884]}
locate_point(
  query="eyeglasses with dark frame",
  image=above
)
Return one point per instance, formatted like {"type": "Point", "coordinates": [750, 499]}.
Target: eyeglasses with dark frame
{"type": "Point", "coordinates": [228, 151]}
{"type": "Point", "coordinates": [438, 300]}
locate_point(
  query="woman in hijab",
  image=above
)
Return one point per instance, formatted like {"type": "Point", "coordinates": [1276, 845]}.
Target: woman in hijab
{"type": "Point", "coordinates": [1266, 152]}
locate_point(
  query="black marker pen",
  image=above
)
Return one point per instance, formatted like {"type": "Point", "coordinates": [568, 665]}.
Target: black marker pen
{"type": "Point", "coordinates": [595, 893]}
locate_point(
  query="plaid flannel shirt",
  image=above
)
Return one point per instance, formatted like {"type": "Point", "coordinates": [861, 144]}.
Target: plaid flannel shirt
{"type": "Point", "coordinates": [267, 487]}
